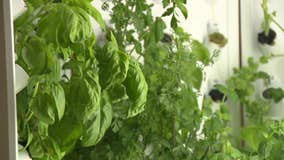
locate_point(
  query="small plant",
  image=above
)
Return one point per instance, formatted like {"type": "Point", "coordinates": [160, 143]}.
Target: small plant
{"type": "Point", "coordinates": [218, 38]}
{"type": "Point", "coordinates": [275, 94]}
{"type": "Point", "coordinates": [262, 135]}
{"type": "Point", "coordinates": [268, 35]}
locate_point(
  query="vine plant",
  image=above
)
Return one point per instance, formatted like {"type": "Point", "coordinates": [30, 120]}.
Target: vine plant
{"type": "Point", "coordinates": [74, 84]}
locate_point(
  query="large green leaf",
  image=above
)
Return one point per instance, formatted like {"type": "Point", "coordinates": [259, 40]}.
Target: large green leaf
{"type": "Point", "coordinates": [117, 93]}
{"type": "Point", "coordinates": [48, 99]}
{"type": "Point", "coordinates": [34, 55]}
{"type": "Point", "coordinates": [45, 148]}
{"type": "Point", "coordinates": [136, 88]}
{"type": "Point", "coordinates": [97, 123]}
{"type": "Point", "coordinates": [113, 64]}
{"type": "Point", "coordinates": [57, 93]}
{"type": "Point", "coordinates": [75, 29]}
{"type": "Point", "coordinates": [87, 6]}
{"type": "Point", "coordinates": [66, 132]}
{"type": "Point", "coordinates": [85, 94]}
{"type": "Point", "coordinates": [200, 52]}
{"type": "Point", "coordinates": [85, 100]}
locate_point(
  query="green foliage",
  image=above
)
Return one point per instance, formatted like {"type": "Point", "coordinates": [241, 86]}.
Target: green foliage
{"type": "Point", "coordinates": [85, 102]}
{"type": "Point", "coordinates": [173, 126]}
{"type": "Point", "coordinates": [172, 7]}
{"type": "Point", "coordinates": [269, 18]}
{"type": "Point", "coordinates": [276, 94]}
{"type": "Point", "coordinates": [261, 133]}
{"type": "Point", "coordinates": [69, 100]}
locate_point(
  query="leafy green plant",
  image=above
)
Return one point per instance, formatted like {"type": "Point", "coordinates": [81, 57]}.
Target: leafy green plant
{"type": "Point", "coordinates": [276, 94]}
{"type": "Point", "coordinates": [262, 135]}
{"type": "Point", "coordinates": [269, 18]}
{"type": "Point", "coordinates": [173, 126]}
{"type": "Point", "coordinates": [268, 35]}
{"type": "Point", "coordinates": [74, 84]}
{"type": "Point", "coordinates": [84, 101]}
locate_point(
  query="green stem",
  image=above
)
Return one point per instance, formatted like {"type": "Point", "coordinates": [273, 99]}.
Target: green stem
{"type": "Point", "coordinates": [131, 51]}
{"type": "Point", "coordinates": [205, 154]}
{"type": "Point", "coordinates": [30, 113]}
{"type": "Point", "coordinates": [174, 130]}
{"type": "Point", "coordinates": [277, 24]}
{"type": "Point", "coordinates": [267, 17]}
{"type": "Point", "coordinates": [277, 55]}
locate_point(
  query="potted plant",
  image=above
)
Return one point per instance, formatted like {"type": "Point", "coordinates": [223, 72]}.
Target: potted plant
{"type": "Point", "coordinates": [268, 37]}
{"type": "Point", "coordinates": [218, 38]}
{"type": "Point", "coordinates": [215, 40]}
{"type": "Point", "coordinates": [261, 135]}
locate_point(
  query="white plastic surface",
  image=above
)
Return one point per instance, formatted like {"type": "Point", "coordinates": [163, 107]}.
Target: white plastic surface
{"type": "Point", "coordinates": [18, 7]}
{"type": "Point", "coordinates": [22, 154]}
{"type": "Point", "coordinates": [21, 78]}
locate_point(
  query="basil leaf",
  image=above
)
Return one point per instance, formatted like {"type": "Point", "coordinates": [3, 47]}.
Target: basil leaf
{"type": "Point", "coordinates": [85, 94]}
{"type": "Point", "coordinates": [183, 9]}
{"type": "Point", "coordinates": [58, 96]}
{"type": "Point", "coordinates": [87, 6]}
{"type": "Point", "coordinates": [48, 99]}
{"type": "Point", "coordinates": [117, 93]}
{"type": "Point", "coordinates": [113, 64]}
{"type": "Point", "coordinates": [34, 55]}
{"type": "Point", "coordinates": [77, 27]}
{"type": "Point", "coordinates": [97, 123]}
{"type": "Point", "coordinates": [136, 88]}
{"type": "Point", "coordinates": [45, 148]}
{"type": "Point", "coordinates": [72, 131]}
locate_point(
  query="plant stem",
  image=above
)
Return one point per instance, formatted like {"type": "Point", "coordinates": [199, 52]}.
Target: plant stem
{"type": "Point", "coordinates": [174, 130]}
{"type": "Point", "coordinates": [267, 17]}
{"type": "Point", "coordinates": [30, 113]}
{"type": "Point", "coordinates": [205, 154]}
{"type": "Point", "coordinates": [277, 55]}
{"type": "Point", "coordinates": [277, 24]}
